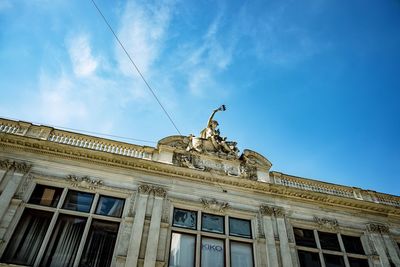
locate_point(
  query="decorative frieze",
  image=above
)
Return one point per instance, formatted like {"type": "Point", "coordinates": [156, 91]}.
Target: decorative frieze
{"type": "Point", "coordinates": [377, 228]}
{"type": "Point", "coordinates": [214, 205]}
{"type": "Point", "coordinates": [269, 211]}
{"type": "Point", "coordinates": [325, 223]}
{"type": "Point", "coordinates": [84, 182]}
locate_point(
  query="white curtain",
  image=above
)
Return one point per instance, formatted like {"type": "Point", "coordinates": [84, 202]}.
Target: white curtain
{"type": "Point", "coordinates": [241, 255]}
{"type": "Point", "coordinates": [182, 250]}
{"type": "Point", "coordinates": [212, 252]}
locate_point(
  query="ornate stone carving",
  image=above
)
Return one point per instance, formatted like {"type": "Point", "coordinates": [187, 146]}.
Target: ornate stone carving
{"type": "Point", "coordinates": [21, 167]}
{"type": "Point", "coordinates": [144, 189]}
{"type": "Point", "coordinates": [159, 192]}
{"type": "Point", "coordinates": [187, 160]}
{"type": "Point", "coordinates": [214, 205]}
{"type": "Point", "coordinates": [211, 142]}
{"type": "Point", "coordinates": [325, 223]}
{"type": "Point", "coordinates": [148, 189]}
{"type": "Point", "coordinates": [377, 228]}
{"type": "Point", "coordinates": [269, 211]}
{"type": "Point", "coordinates": [5, 164]}
{"type": "Point", "coordinates": [84, 182]}
{"type": "Point", "coordinates": [248, 171]}
{"type": "Point", "coordinates": [24, 187]}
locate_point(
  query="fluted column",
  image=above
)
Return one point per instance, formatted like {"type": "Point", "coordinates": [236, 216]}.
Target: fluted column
{"type": "Point", "coordinates": [374, 232]}
{"type": "Point", "coordinates": [137, 228]}
{"type": "Point", "coordinates": [270, 246]}
{"type": "Point", "coordinates": [154, 231]}
{"type": "Point", "coordinates": [286, 256]}
{"type": "Point", "coordinates": [17, 171]}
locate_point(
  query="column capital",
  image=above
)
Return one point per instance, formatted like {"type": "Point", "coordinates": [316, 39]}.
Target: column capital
{"type": "Point", "coordinates": [149, 189]}
{"type": "Point", "coordinates": [159, 191]}
{"type": "Point", "coordinates": [5, 164]}
{"type": "Point", "coordinates": [269, 211]}
{"type": "Point", "coordinates": [377, 228]}
{"type": "Point", "coordinates": [21, 167]}
{"type": "Point", "coordinates": [144, 189]}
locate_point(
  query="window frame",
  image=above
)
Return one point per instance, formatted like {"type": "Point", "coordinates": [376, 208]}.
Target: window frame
{"type": "Point", "coordinates": [320, 251]}
{"type": "Point", "coordinates": [59, 210]}
{"type": "Point", "coordinates": [198, 233]}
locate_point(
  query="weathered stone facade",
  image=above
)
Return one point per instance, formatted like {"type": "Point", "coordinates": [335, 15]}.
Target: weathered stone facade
{"type": "Point", "coordinates": [156, 183]}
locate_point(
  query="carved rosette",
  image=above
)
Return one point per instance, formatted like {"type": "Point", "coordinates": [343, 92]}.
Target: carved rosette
{"type": "Point", "coordinates": [377, 228]}
{"type": "Point", "coordinates": [325, 223]}
{"type": "Point", "coordinates": [84, 182]}
{"type": "Point", "coordinates": [214, 205]}
{"type": "Point", "coordinates": [269, 211]}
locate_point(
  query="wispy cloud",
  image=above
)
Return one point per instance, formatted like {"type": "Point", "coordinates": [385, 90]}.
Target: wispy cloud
{"type": "Point", "coordinates": [80, 52]}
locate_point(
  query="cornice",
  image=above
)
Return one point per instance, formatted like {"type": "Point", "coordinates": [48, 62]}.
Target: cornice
{"type": "Point", "coordinates": [13, 142]}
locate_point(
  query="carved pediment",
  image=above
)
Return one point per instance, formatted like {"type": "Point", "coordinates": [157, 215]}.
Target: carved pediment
{"type": "Point", "coordinates": [253, 158]}
{"type": "Point", "coordinates": [176, 141]}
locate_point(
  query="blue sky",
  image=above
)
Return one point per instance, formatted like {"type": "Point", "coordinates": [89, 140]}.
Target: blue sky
{"type": "Point", "coordinates": [312, 85]}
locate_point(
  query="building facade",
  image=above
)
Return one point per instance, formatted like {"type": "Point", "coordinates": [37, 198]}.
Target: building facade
{"type": "Point", "coordinates": [69, 199]}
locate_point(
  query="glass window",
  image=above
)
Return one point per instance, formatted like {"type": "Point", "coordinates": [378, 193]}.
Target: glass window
{"type": "Point", "coordinates": [110, 206]}
{"type": "Point", "coordinates": [329, 241]}
{"type": "Point", "coordinates": [212, 223]}
{"type": "Point", "coordinates": [334, 260]}
{"type": "Point", "coordinates": [239, 227]}
{"type": "Point", "coordinates": [212, 252]}
{"type": "Point", "coordinates": [352, 244]}
{"type": "Point", "coordinates": [63, 244]}
{"type": "Point", "coordinates": [304, 237]}
{"type": "Point", "coordinates": [78, 201]}
{"type": "Point", "coordinates": [185, 218]}
{"type": "Point", "coordinates": [182, 250]}
{"type": "Point", "coordinates": [241, 254]}
{"type": "Point", "coordinates": [46, 195]}
{"type": "Point", "coordinates": [309, 259]}
{"type": "Point", "coordinates": [27, 238]}
{"type": "Point", "coordinates": [100, 244]}
{"type": "Point", "coordinates": [358, 262]}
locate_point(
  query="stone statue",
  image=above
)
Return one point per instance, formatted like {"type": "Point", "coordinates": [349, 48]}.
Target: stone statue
{"type": "Point", "coordinates": [210, 139]}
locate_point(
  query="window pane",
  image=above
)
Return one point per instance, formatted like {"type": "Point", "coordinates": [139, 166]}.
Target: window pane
{"type": "Point", "coordinates": [185, 218]}
{"type": "Point", "coordinates": [304, 237]}
{"type": "Point", "coordinates": [358, 262]}
{"type": "Point", "coordinates": [212, 223]}
{"type": "Point", "coordinates": [110, 206]}
{"type": "Point", "coordinates": [352, 244]}
{"type": "Point", "coordinates": [46, 195]}
{"type": "Point", "coordinates": [309, 259]}
{"type": "Point", "coordinates": [182, 250]}
{"type": "Point", "coordinates": [99, 246]}
{"type": "Point", "coordinates": [27, 238]}
{"type": "Point", "coordinates": [239, 227]}
{"type": "Point", "coordinates": [333, 260]}
{"type": "Point", "coordinates": [212, 252]}
{"type": "Point", "coordinates": [329, 241]}
{"type": "Point", "coordinates": [78, 201]}
{"type": "Point", "coordinates": [241, 254]}
{"type": "Point", "coordinates": [63, 245]}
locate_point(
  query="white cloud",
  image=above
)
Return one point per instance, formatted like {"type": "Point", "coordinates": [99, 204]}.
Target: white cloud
{"type": "Point", "coordinates": [142, 31]}
{"type": "Point", "coordinates": [80, 52]}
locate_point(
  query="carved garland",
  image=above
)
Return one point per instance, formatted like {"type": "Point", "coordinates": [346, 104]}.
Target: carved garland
{"type": "Point", "coordinates": [214, 205]}
{"type": "Point", "coordinates": [84, 182]}
{"type": "Point", "coordinates": [325, 223]}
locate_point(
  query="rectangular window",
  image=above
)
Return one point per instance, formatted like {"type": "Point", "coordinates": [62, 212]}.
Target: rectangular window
{"type": "Point", "coordinates": [239, 227]}
{"type": "Point", "coordinates": [110, 206]}
{"type": "Point", "coordinates": [182, 250]}
{"type": "Point", "coordinates": [63, 244]}
{"type": "Point", "coordinates": [102, 236]}
{"type": "Point", "coordinates": [241, 254]}
{"type": "Point", "coordinates": [212, 252]}
{"type": "Point", "coordinates": [309, 259]}
{"type": "Point", "coordinates": [27, 238]}
{"type": "Point", "coordinates": [304, 237]}
{"type": "Point", "coordinates": [329, 241]}
{"type": "Point", "coordinates": [354, 262]}
{"type": "Point", "coordinates": [78, 201]}
{"type": "Point", "coordinates": [212, 223]}
{"type": "Point", "coordinates": [352, 244]}
{"type": "Point", "coordinates": [185, 218]}
{"type": "Point", "coordinates": [46, 195]}
{"type": "Point", "coordinates": [333, 260]}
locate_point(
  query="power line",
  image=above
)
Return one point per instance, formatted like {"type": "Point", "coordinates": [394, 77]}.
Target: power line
{"type": "Point", "coordinates": [136, 67]}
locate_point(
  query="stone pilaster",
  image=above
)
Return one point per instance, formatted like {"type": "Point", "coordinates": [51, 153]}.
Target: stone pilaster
{"type": "Point", "coordinates": [154, 231]}
{"type": "Point", "coordinates": [375, 232]}
{"type": "Point", "coordinates": [286, 256]}
{"type": "Point", "coordinates": [390, 246]}
{"type": "Point", "coordinates": [137, 228]}
{"type": "Point", "coordinates": [17, 171]}
{"type": "Point", "coordinates": [5, 165]}
{"type": "Point", "coordinates": [270, 245]}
